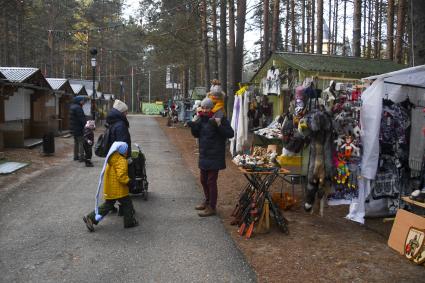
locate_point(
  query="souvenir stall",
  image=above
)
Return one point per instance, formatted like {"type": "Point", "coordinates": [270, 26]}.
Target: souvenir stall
{"type": "Point", "coordinates": [259, 166]}
{"type": "Point", "coordinates": [315, 100]}
{"type": "Point", "coordinates": [320, 132]}
{"type": "Point", "coordinates": [392, 121]}
{"type": "Point", "coordinates": [392, 167]}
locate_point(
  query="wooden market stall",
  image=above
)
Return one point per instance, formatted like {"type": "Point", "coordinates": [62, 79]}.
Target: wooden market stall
{"type": "Point", "coordinates": [28, 106]}
{"type": "Point", "coordinates": [63, 98]}
{"type": "Point", "coordinates": [293, 68]}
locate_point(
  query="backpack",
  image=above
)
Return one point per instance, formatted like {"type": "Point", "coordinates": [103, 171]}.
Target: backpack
{"type": "Point", "coordinates": [103, 144]}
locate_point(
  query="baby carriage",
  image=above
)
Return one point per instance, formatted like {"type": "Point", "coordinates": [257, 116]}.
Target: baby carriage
{"type": "Point", "coordinates": [137, 173]}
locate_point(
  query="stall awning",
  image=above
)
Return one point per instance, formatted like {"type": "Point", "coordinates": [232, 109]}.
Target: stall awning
{"type": "Point", "coordinates": [412, 77]}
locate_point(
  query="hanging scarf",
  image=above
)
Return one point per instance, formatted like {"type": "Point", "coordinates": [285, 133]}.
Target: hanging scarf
{"type": "Point", "coordinates": [121, 148]}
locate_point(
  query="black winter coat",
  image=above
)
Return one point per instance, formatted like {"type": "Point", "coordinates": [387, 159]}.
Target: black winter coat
{"type": "Point", "coordinates": [119, 125]}
{"type": "Point", "coordinates": [77, 119]}
{"type": "Point", "coordinates": [212, 142]}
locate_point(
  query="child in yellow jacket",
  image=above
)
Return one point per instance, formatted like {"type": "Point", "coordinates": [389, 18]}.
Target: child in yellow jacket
{"type": "Point", "coordinates": [115, 180]}
{"type": "Point", "coordinates": [217, 96]}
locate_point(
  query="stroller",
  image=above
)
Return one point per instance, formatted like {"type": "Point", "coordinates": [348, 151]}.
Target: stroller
{"type": "Point", "coordinates": [137, 173]}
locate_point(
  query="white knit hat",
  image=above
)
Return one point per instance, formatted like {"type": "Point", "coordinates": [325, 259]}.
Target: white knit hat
{"type": "Point", "coordinates": [120, 106]}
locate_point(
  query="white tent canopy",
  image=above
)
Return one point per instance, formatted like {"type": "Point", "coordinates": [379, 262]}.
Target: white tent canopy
{"type": "Point", "coordinates": [413, 77]}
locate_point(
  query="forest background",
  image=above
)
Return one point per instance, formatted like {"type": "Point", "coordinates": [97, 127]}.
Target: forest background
{"type": "Point", "coordinates": [194, 41]}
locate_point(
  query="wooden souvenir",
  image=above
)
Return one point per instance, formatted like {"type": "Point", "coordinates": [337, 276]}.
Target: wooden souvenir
{"type": "Point", "coordinates": [413, 243]}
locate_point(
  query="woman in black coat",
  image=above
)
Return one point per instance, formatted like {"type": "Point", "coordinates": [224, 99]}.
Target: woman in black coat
{"type": "Point", "coordinates": [212, 134]}
{"type": "Point", "coordinates": [118, 124]}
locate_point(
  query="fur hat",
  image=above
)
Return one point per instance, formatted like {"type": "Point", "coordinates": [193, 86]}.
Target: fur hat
{"type": "Point", "coordinates": [207, 103]}
{"type": "Point", "coordinates": [120, 106]}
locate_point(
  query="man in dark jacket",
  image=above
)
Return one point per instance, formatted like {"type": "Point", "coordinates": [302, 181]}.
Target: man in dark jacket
{"type": "Point", "coordinates": [212, 134]}
{"type": "Point", "coordinates": [118, 124]}
{"type": "Point", "coordinates": [77, 123]}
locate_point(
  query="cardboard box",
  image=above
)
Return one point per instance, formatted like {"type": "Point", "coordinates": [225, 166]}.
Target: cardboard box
{"type": "Point", "coordinates": [402, 223]}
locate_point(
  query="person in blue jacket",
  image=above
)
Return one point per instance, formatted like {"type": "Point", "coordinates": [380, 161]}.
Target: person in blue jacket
{"type": "Point", "coordinates": [77, 124]}
{"type": "Point", "coordinates": [212, 134]}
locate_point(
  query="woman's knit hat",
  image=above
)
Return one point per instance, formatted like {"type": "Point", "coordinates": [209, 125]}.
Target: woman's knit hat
{"type": "Point", "coordinates": [207, 103]}
{"type": "Point", "coordinates": [120, 106]}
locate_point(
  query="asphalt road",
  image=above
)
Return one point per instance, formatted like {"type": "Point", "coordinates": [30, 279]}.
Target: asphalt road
{"type": "Point", "coordinates": [43, 238]}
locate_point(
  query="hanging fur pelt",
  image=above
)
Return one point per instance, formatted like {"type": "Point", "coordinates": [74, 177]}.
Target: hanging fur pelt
{"type": "Point", "coordinates": [320, 161]}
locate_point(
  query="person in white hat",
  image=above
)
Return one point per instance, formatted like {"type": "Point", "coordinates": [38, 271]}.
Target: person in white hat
{"type": "Point", "coordinates": [118, 123]}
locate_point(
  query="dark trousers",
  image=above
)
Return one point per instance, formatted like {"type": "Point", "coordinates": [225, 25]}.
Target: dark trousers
{"type": "Point", "coordinates": [87, 150]}
{"type": "Point", "coordinates": [209, 184]}
{"type": "Point", "coordinates": [125, 204]}
{"type": "Point", "coordinates": [78, 148]}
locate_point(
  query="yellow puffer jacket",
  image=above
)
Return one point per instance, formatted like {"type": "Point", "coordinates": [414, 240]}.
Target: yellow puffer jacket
{"type": "Point", "coordinates": [115, 180]}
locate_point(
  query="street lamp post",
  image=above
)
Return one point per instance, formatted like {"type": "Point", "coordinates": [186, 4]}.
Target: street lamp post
{"type": "Point", "coordinates": [93, 52]}
{"type": "Point", "coordinates": [121, 88]}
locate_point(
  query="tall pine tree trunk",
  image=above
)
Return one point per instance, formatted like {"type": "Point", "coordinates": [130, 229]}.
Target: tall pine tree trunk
{"type": "Point", "coordinates": [376, 38]}
{"type": "Point", "coordinates": [303, 26]}
{"type": "Point", "coordinates": [417, 12]}
{"type": "Point", "coordinates": [380, 28]}
{"type": "Point", "coordinates": [287, 26]}
{"type": "Point", "coordinates": [215, 39]}
{"type": "Point", "coordinates": [223, 45]}
{"type": "Point", "coordinates": [205, 44]}
{"type": "Point", "coordinates": [293, 23]}
{"type": "Point", "coordinates": [275, 30]}
{"type": "Point", "coordinates": [6, 39]}
{"type": "Point", "coordinates": [344, 29]}
{"type": "Point", "coordinates": [266, 29]}
{"type": "Point", "coordinates": [313, 13]}
{"type": "Point", "coordinates": [319, 32]}
{"type": "Point", "coordinates": [335, 28]}
{"type": "Point", "coordinates": [308, 26]}
{"type": "Point", "coordinates": [231, 90]}
{"type": "Point", "coordinates": [330, 28]}
{"type": "Point", "coordinates": [369, 30]}
{"type": "Point", "coordinates": [390, 29]}
{"type": "Point", "coordinates": [401, 16]}
{"type": "Point", "coordinates": [240, 34]}
{"type": "Point", "coordinates": [364, 27]}
{"type": "Point", "coordinates": [357, 27]}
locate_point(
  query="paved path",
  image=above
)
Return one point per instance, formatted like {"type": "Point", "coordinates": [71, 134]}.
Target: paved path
{"type": "Point", "coordinates": [43, 239]}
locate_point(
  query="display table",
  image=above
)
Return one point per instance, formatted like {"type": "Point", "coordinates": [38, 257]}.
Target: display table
{"type": "Point", "coordinates": [417, 203]}
{"type": "Point", "coordinates": [251, 201]}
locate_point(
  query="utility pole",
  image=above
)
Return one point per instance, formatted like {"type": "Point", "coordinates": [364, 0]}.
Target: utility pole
{"type": "Point", "coordinates": [149, 87]}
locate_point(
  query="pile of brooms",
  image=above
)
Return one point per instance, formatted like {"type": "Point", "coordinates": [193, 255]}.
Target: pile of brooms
{"type": "Point", "coordinates": [254, 205]}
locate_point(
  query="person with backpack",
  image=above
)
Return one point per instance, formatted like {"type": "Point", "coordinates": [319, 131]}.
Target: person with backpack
{"type": "Point", "coordinates": [118, 124]}
{"type": "Point", "coordinates": [77, 124]}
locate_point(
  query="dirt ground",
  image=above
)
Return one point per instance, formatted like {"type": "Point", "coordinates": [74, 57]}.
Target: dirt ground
{"type": "Point", "coordinates": [322, 249]}
{"type": "Point", "coordinates": [37, 161]}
